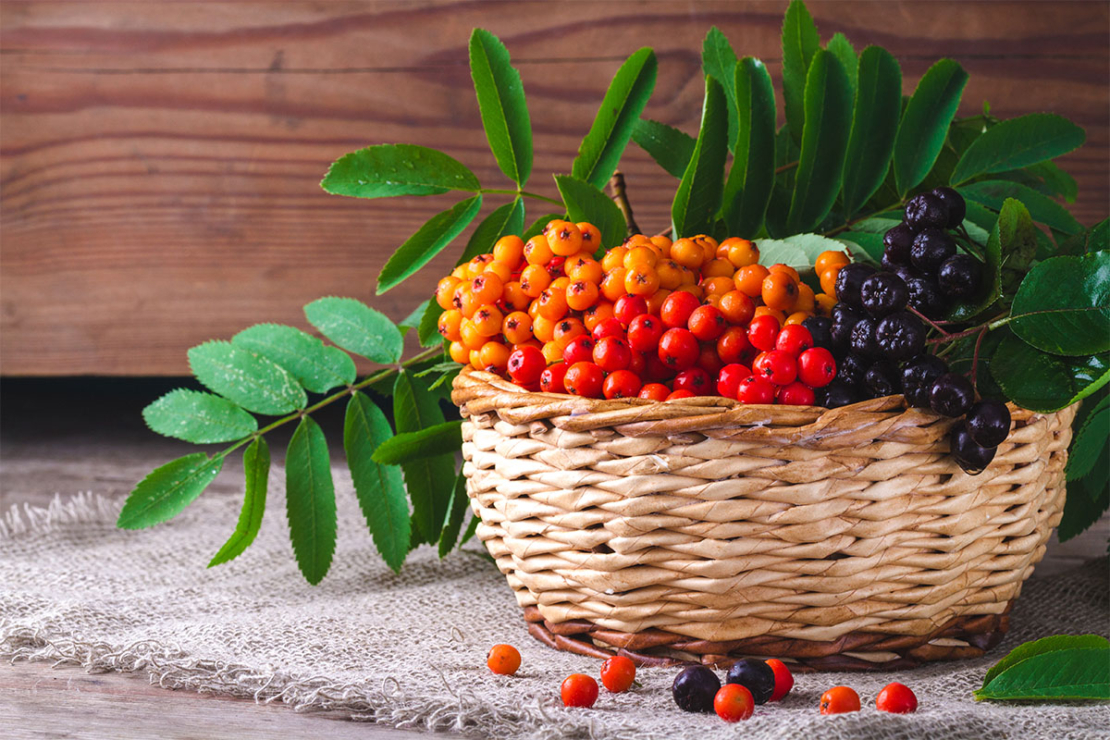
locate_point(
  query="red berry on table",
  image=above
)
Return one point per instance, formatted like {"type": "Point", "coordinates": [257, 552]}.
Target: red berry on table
{"type": "Point", "coordinates": [579, 349]}
{"type": "Point", "coordinates": [551, 379]}
{"type": "Point", "coordinates": [621, 384]}
{"type": "Point", "coordinates": [678, 349]}
{"type": "Point", "coordinates": [695, 380]}
{"type": "Point", "coordinates": [655, 392]}
{"type": "Point", "coordinates": [839, 700]}
{"type": "Point", "coordinates": [629, 307]}
{"type": "Point", "coordinates": [754, 389]}
{"type": "Point", "coordinates": [816, 367]}
{"type": "Point", "coordinates": [679, 394]}
{"type": "Point", "coordinates": [733, 703]}
{"type": "Point", "coordinates": [526, 364]}
{"type": "Point", "coordinates": [644, 332]}
{"type": "Point", "coordinates": [707, 323]}
{"type": "Point", "coordinates": [579, 690]}
{"type": "Point", "coordinates": [608, 328]}
{"type": "Point", "coordinates": [896, 698]}
{"type": "Point", "coordinates": [503, 659]}
{"type": "Point", "coordinates": [612, 354]}
{"type": "Point", "coordinates": [676, 310]}
{"type": "Point", "coordinates": [763, 331]}
{"type": "Point", "coordinates": [728, 380]}
{"type": "Point", "coordinates": [784, 679]}
{"type": "Point", "coordinates": [776, 366]}
{"type": "Point", "coordinates": [618, 673]}
{"type": "Point", "coordinates": [794, 339]}
{"type": "Point", "coordinates": [733, 345]}
{"type": "Point", "coordinates": [796, 394]}
{"type": "Point", "coordinates": [584, 379]}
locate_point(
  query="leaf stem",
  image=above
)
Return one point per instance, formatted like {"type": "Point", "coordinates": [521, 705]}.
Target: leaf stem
{"type": "Point", "coordinates": [521, 193]}
{"type": "Point", "coordinates": [786, 167]}
{"type": "Point", "coordinates": [975, 358]}
{"type": "Point", "coordinates": [620, 197]}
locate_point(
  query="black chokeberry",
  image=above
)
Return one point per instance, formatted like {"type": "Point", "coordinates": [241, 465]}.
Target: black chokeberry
{"type": "Point", "coordinates": [851, 368]}
{"type": "Point", "coordinates": [896, 244]}
{"type": "Point", "coordinates": [820, 328]}
{"type": "Point", "coordinates": [957, 207]}
{"type": "Point", "coordinates": [959, 276]}
{"type": "Point", "coordinates": [918, 377]}
{"type": "Point", "coordinates": [849, 280]}
{"type": "Point", "coordinates": [694, 688]}
{"type": "Point", "coordinates": [925, 297]}
{"type": "Point", "coordinates": [844, 319]}
{"type": "Point", "coordinates": [754, 675]}
{"type": "Point", "coordinates": [883, 294]}
{"type": "Point", "coordinates": [952, 395]}
{"type": "Point", "coordinates": [926, 211]}
{"type": "Point", "coordinates": [862, 340]}
{"type": "Point", "coordinates": [930, 249]}
{"type": "Point", "coordinates": [881, 379]}
{"type": "Point", "coordinates": [970, 455]}
{"type": "Point", "coordinates": [988, 423]}
{"type": "Point", "coordinates": [837, 394]}
{"type": "Point", "coordinates": [900, 336]}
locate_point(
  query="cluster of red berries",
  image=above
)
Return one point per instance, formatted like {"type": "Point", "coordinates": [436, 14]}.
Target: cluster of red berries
{"type": "Point", "coordinates": [652, 318]}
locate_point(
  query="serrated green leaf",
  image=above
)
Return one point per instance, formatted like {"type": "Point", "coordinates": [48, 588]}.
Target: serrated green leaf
{"type": "Point", "coordinates": [167, 490]}
{"type": "Point", "coordinates": [1044, 645]}
{"type": "Point", "coordinates": [587, 203]}
{"type": "Point", "coordinates": [699, 194]}
{"type": "Point", "coordinates": [380, 488]}
{"type": "Point", "coordinates": [800, 42]}
{"type": "Point", "coordinates": [250, 380]}
{"type": "Point", "coordinates": [316, 366]}
{"type": "Point", "coordinates": [256, 467]}
{"type": "Point", "coordinates": [440, 439]}
{"type": "Point", "coordinates": [356, 327]}
{"type": "Point", "coordinates": [875, 117]}
{"type": "Point", "coordinates": [1069, 674]}
{"type": "Point", "coordinates": [1018, 142]}
{"type": "Point", "coordinates": [1063, 305]}
{"type": "Point", "coordinates": [1042, 382]}
{"type": "Point", "coordinates": [387, 170]}
{"type": "Point", "coordinates": [428, 241]}
{"type": "Point", "coordinates": [502, 106]}
{"type": "Point", "coordinates": [925, 123]}
{"type": "Point", "coordinates": [1088, 448]}
{"type": "Point", "coordinates": [841, 48]}
{"type": "Point", "coordinates": [625, 99]}
{"type": "Point", "coordinates": [719, 62]}
{"type": "Point", "coordinates": [506, 219]}
{"type": "Point", "coordinates": [828, 111]}
{"type": "Point", "coordinates": [1054, 180]}
{"type": "Point", "coordinates": [414, 409]}
{"type": "Point", "coordinates": [459, 500]}
{"type": "Point", "coordinates": [538, 225]}
{"type": "Point", "coordinates": [310, 500]}
{"type": "Point", "coordinates": [992, 193]}
{"type": "Point", "coordinates": [801, 249]}
{"type": "Point", "coordinates": [669, 147]}
{"type": "Point", "coordinates": [752, 176]}
{"type": "Point", "coordinates": [197, 417]}
{"type": "Point", "coordinates": [1011, 228]}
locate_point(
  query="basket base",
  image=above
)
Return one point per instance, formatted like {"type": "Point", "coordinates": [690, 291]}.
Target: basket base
{"type": "Point", "coordinates": [963, 637]}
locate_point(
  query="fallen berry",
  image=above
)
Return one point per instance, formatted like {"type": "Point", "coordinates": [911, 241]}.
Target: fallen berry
{"type": "Point", "coordinates": [733, 703]}
{"type": "Point", "coordinates": [578, 690]}
{"type": "Point", "coordinates": [754, 675]}
{"type": "Point", "coordinates": [839, 700]}
{"type": "Point", "coordinates": [896, 698]}
{"type": "Point", "coordinates": [503, 659]}
{"type": "Point", "coordinates": [784, 679]}
{"type": "Point", "coordinates": [695, 688]}
{"type": "Point", "coordinates": [618, 673]}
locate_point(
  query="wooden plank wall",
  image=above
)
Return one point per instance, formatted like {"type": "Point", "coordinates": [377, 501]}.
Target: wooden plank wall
{"type": "Point", "coordinates": [159, 161]}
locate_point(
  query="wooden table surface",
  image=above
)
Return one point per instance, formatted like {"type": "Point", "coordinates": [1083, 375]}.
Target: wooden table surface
{"type": "Point", "coordinates": [160, 162]}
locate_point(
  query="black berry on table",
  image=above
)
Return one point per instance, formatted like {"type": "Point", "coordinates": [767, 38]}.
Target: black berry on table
{"type": "Point", "coordinates": [754, 675]}
{"type": "Point", "coordinates": [694, 689]}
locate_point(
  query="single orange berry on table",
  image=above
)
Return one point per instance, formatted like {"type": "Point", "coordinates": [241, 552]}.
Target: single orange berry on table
{"type": "Point", "coordinates": [517, 327]}
{"type": "Point", "coordinates": [477, 266]}
{"type": "Point", "coordinates": [740, 252]}
{"type": "Point", "coordinates": [896, 698]}
{"type": "Point", "coordinates": [459, 353]}
{"type": "Point", "coordinates": [494, 357]}
{"type": "Point", "coordinates": [784, 679]}
{"type": "Point", "coordinates": [509, 250]}
{"type": "Point", "coordinates": [830, 258]}
{"type": "Point", "coordinates": [613, 258]}
{"type": "Point", "coordinates": [564, 238]}
{"type": "Point", "coordinates": [733, 702]}
{"type": "Point", "coordinates": [641, 280]}
{"type": "Point", "coordinates": [445, 291]}
{"type": "Point", "coordinates": [839, 700]}
{"type": "Point", "coordinates": [828, 279]}
{"type": "Point", "coordinates": [737, 307]}
{"type": "Point", "coordinates": [537, 251]}
{"type": "Point", "coordinates": [779, 291]}
{"type": "Point", "coordinates": [591, 237]}
{"type": "Point", "coordinates": [513, 297]}
{"type": "Point", "coordinates": [449, 323]}
{"type": "Point", "coordinates": [534, 280]}
{"type": "Point", "coordinates": [579, 690]}
{"type": "Point", "coordinates": [613, 285]}
{"type": "Point", "coordinates": [618, 673]}
{"type": "Point", "coordinates": [504, 660]}
{"type": "Point", "coordinates": [749, 280]}
{"type": "Point", "coordinates": [687, 253]}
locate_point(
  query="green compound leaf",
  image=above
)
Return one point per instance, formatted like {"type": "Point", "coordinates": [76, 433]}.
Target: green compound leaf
{"type": "Point", "coordinates": [800, 43]}
{"type": "Point", "coordinates": [397, 169]}
{"type": "Point", "coordinates": [1044, 645]}
{"type": "Point", "coordinates": [828, 111]}
{"type": "Point", "coordinates": [925, 123]}
{"type": "Point", "coordinates": [310, 500]}
{"type": "Point", "coordinates": [992, 193]}
{"type": "Point", "coordinates": [428, 241]}
{"type": "Point", "coordinates": [416, 408]}
{"type": "Point", "coordinates": [875, 117]}
{"type": "Point", "coordinates": [455, 515]}
{"type": "Point", "coordinates": [163, 494]}
{"type": "Point", "coordinates": [504, 220]}
{"type": "Point", "coordinates": [380, 488]}
{"type": "Point", "coordinates": [445, 438]}
{"type": "Point", "coordinates": [316, 366]}
{"type": "Point", "coordinates": [357, 328]}
{"type": "Point", "coordinates": [1089, 446]}
{"type": "Point", "coordinates": [1042, 382]}
{"type": "Point", "coordinates": [501, 104]}
{"type": "Point", "coordinates": [1016, 143]}
{"type": "Point", "coordinates": [256, 466]}
{"type": "Point", "coordinates": [719, 62]}
{"type": "Point", "coordinates": [1063, 305]}
{"type": "Point", "coordinates": [198, 417]}
{"type": "Point", "coordinates": [751, 179]}
{"type": "Point", "coordinates": [669, 147]}
{"type": "Point", "coordinates": [587, 203]}
{"type": "Point", "coordinates": [625, 99]}
{"type": "Point", "coordinates": [248, 379]}
{"type": "Point", "coordinates": [1060, 675]}
{"type": "Point", "coordinates": [699, 194]}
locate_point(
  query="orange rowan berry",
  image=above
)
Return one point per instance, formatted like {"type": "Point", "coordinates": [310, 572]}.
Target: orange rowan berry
{"type": "Point", "coordinates": [737, 307]}
{"type": "Point", "coordinates": [824, 304]}
{"type": "Point", "coordinates": [487, 288]}
{"type": "Point", "coordinates": [543, 328]}
{"type": "Point", "coordinates": [500, 269]}
{"type": "Point", "coordinates": [664, 244]}
{"type": "Point", "coordinates": [597, 313]}
{"type": "Point", "coordinates": [476, 359]}
{"type": "Point", "coordinates": [591, 237]}
{"type": "Point", "coordinates": [477, 266]}
{"type": "Point", "coordinates": [779, 290]}
{"type": "Point", "coordinates": [780, 267]}
{"type": "Point", "coordinates": [830, 258]}
{"type": "Point", "coordinates": [688, 253]}
{"type": "Point", "coordinates": [581, 295]}
{"type": "Point", "coordinates": [689, 277]}
{"type": "Point", "coordinates": [534, 309]}
{"type": "Point", "coordinates": [560, 283]}
{"type": "Point", "coordinates": [583, 267]}
{"type": "Point", "coordinates": [655, 301]}
{"type": "Point", "coordinates": [537, 251]}
{"type": "Point", "coordinates": [641, 255]}
{"type": "Point", "coordinates": [449, 323]}
{"type": "Point", "coordinates": [768, 311]}
{"type": "Point", "coordinates": [612, 285]}
{"type": "Point", "coordinates": [713, 299]}
{"type": "Point", "coordinates": [534, 280]}
{"type": "Point", "coordinates": [708, 245]}
{"type": "Point", "coordinates": [806, 299]}
{"type": "Point", "coordinates": [461, 273]}
{"type": "Point", "coordinates": [513, 297]}
{"type": "Point", "coordinates": [613, 258]}
{"type": "Point", "coordinates": [670, 274]}
{"type": "Point", "coordinates": [749, 280]}
{"type": "Point", "coordinates": [464, 299]}
{"type": "Point", "coordinates": [503, 659]}
{"type": "Point", "coordinates": [569, 328]}
{"type": "Point", "coordinates": [552, 352]}
{"type": "Point", "coordinates": [692, 289]}
{"type": "Point", "coordinates": [494, 357]}
{"type": "Point", "coordinates": [553, 304]}
{"type": "Point", "coordinates": [717, 285]}
{"type": "Point", "coordinates": [469, 335]}
{"type": "Point", "coordinates": [741, 252]}
{"type": "Point", "coordinates": [509, 250]}
{"type": "Point", "coordinates": [718, 268]}
{"type": "Point", "coordinates": [797, 317]}
{"type": "Point", "coordinates": [517, 327]}
{"type": "Point", "coordinates": [637, 240]}
{"type": "Point", "coordinates": [641, 280]}
{"type": "Point", "coordinates": [487, 320]}
{"type": "Point", "coordinates": [828, 279]}
{"type": "Point", "coordinates": [459, 353]}
{"type": "Point", "coordinates": [445, 291]}
{"type": "Point", "coordinates": [564, 238]}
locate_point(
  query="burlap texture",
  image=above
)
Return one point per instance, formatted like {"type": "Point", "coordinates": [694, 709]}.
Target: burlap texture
{"type": "Point", "coordinates": [409, 650]}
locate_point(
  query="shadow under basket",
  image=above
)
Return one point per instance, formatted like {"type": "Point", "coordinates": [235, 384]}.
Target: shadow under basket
{"type": "Point", "coordinates": [703, 530]}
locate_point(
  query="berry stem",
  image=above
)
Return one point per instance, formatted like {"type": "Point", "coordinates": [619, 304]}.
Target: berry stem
{"type": "Point", "coordinates": [989, 325]}
{"type": "Point", "coordinates": [620, 197]}
{"type": "Point", "coordinates": [928, 321]}
{"type": "Point", "coordinates": [522, 193]}
{"type": "Point", "coordinates": [975, 358]}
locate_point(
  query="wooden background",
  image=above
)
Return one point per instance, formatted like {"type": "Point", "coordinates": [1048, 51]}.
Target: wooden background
{"type": "Point", "coordinates": [159, 161]}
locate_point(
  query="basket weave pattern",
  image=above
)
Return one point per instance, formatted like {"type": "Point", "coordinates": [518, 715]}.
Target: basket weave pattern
{"type": "Point", "coordinates": [705, 529]}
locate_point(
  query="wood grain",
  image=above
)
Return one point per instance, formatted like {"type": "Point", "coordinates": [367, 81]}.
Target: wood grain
{"type": "Point", "coordinates": [160, 162]}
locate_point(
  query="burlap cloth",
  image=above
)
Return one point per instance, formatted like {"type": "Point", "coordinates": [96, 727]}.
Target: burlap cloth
{"type": "Point", "coordinates": [409, 650]}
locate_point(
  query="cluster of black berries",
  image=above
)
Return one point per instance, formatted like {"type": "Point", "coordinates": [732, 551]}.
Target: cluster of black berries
{"type": "Point", "coordinates": [879, 344]}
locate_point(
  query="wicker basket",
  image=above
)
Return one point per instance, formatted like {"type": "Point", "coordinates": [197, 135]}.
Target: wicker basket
{"type": "Point", "coordinates": [705, 530]}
